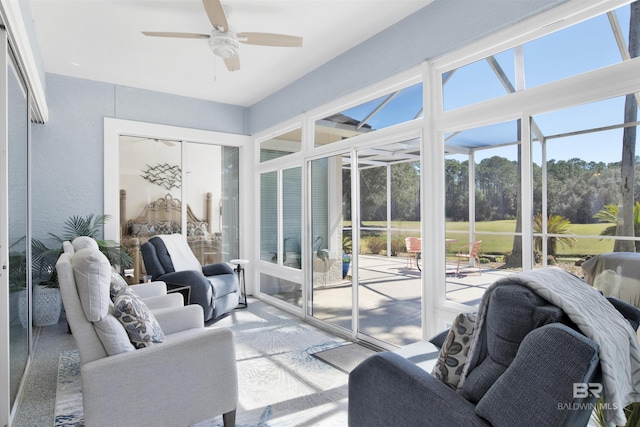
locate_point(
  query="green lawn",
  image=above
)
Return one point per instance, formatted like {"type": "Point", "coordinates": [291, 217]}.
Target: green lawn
{"type": "Point", "coordinates": [497, 244]}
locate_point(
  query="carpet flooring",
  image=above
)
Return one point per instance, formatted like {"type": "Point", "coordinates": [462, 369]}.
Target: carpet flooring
{"type": "Point", "coordinates": [281, 383]}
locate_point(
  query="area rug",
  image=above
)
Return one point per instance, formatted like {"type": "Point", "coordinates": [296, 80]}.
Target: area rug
{"type": "Point", "coordinates": [280, 382]}
{"type": "Point", "coordinates": [345, 357]}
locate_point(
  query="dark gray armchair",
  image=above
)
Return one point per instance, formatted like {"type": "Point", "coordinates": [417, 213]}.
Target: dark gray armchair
{"type": "Point", "coordinates": [533, 356]}
{"type": "Point", "coordinates": [214, 286]}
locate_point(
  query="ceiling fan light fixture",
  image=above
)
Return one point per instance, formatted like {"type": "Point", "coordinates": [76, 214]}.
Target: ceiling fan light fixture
{"type": "Point", "coordinates": [224, 44]}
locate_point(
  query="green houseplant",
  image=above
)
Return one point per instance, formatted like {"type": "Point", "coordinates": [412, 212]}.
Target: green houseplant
{"type": "Point", "coordinates": [44, 258]}
{"type": "Point", "coordinates": [47, 303]}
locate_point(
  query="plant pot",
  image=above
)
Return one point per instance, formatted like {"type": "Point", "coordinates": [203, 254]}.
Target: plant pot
{"type": "Point", "coordinates": [346, 263]}
{"type": "Point", "coordinates": [47, 306]}
{"type": "Point", "coordinates": [22, 308]}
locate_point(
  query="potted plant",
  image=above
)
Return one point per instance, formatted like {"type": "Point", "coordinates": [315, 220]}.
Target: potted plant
{"type": "Point", "coordinates": [346, 254]}
{"type": "Point", "coordinates": [47, 303]}
{"type": "Point", "coordinates": [46, 300]}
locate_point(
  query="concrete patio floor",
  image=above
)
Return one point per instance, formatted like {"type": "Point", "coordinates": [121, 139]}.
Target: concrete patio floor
{"type": "Point", "coordinates": [389, 297]}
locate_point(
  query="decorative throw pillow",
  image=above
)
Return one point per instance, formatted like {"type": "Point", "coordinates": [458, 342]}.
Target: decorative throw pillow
{"type": "Point", "coordinates": [92, 273]}
{"type": "Point", "coordinates": [167, 227]}
{"type": "Point", "coordinates": [141, 229]}
{"type": "Point", "coordinates": [455, 349]}
{"type": "Point", "coordinates": [141, 325]}
{"type": "Point", "coordinates": [117, 284]}
{"type": "Point", "coordinates": [112, 335]}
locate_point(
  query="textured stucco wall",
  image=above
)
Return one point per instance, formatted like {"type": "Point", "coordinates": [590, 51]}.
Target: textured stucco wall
{"type": "Point", "coordinates": [68, 151]}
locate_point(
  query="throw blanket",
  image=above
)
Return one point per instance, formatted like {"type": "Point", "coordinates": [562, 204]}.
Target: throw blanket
{"type": "Point", "coordinates": [181, 255]}
{"type": "Point", "coordinates": [597, 319]}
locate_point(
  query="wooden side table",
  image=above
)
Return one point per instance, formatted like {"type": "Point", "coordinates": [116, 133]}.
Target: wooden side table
{"type": "Point", "coordinates": [243, 286]}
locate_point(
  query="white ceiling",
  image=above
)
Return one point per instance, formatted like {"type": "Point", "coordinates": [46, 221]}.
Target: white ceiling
{"type": "Point", "coordinates": [101, 40]}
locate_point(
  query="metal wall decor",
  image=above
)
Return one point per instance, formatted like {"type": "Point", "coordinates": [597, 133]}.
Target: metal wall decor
{"type": "Point", "coordinates": [164, 175]}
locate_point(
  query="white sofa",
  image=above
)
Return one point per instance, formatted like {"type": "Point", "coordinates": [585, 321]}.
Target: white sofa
{"type": "Point", "coordinates": [189, 377]}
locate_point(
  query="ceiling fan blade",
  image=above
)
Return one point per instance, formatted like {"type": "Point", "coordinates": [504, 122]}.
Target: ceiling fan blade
{"type": "Point", "coordinates": [233, 63]}
{"type": "Point", "coordinates": [269, 39]}
{"type": "Point", "coordinates": [216, 14]}
{"type": "Point", "coordinates": [175, 35]}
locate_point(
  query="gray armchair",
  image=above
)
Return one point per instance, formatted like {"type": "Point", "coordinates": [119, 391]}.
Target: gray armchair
{"type": "Point", "coordinates": [189, 377]}
{"type": "Point", "coordinates": [214, 286]}
{"type": "Point", "coordinates": [533, 356]}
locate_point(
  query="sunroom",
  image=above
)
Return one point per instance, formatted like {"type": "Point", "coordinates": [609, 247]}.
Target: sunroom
{"type": "Point", "coordinates": [516, 142]}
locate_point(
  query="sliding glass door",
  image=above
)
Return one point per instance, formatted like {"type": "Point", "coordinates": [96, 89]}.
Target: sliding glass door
{"type": "Point", "coordinates": [390, 251]}
{"type": "Point", "coordinates": [331, 281]}
{"type": "Point", "coordinates": [382, 209]}
{"type": "Point", "coordinates": [157, 174]}
{"type": "Point", "coordinates": [14, 232]}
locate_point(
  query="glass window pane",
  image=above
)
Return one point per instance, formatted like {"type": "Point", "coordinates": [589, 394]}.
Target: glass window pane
{"type": "Point", "coordinates": [583, 47]}
{"type": "Point", "coordinates": [331, 240]}
{"type": "Point", "coordinates": [388, 110]}
{"type": "Point", "coordinates": [479, 81]}
{"type": "Point", "coordinates": [591, 150]}
{"type": "Point", "coordinates": [281, 145]}
{"type": "Point", "coordinates": [269, 217]}
{"type": "Point", "coordinates": [282, 289]}
{"type": "Point", "coordinates": [203, 190]}
{"type": "Point", "coordinates": [490, 217]}
{"type": "Point", "coordinates": [150, 193]}
{"type": "Point", "coordinates": [391, 249]}
{"type": "Point", "coordinates": [17, 133]}
{"type": "Point", "coordinates": [292, 216]}
{"type": "Point", "coordinates": [212, 195]}
{"type": "Point", "coordinates": [230, 203]}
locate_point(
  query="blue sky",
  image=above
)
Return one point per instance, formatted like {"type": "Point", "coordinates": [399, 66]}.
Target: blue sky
{"type": "Point", "coordinates": [583, 47]}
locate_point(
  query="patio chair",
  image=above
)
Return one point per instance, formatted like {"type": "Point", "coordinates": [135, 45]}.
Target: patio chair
{"type": "Point", "coordinates": [414, 249]}
{"type": "Point", "coordinates": [470, 252]}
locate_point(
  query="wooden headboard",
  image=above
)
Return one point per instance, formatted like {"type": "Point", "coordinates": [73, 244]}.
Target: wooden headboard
{"type": "Point", "coordinates": [164, 216]}
{"type": "Point", "coordinates": [164, 209]}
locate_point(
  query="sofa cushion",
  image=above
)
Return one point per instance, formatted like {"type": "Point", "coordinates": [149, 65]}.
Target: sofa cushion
{"type": "Point", "coordinates": [455, 349]}
{"type": "Point", "coordinates": [92, 274]}
{"type": "Point", "coordinates": [141, 325]}
{"type": "Point", "coordinates": [550, 359]}
{"type": "Point", "coordinates": [112, 335]}
{"type": "Point", "coordinates": [512, 312]}
{"type": "Point", "coordinates": [117, 284]}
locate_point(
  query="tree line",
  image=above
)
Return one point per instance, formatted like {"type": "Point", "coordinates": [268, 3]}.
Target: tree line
{"type": "Point", "coordinates": [576, 189]}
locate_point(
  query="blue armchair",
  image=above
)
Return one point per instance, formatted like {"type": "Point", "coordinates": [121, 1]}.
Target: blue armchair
{"type": "Point", "coordinates": [534, 355]}
{"type": "Point", "coordinates": [214, 286]}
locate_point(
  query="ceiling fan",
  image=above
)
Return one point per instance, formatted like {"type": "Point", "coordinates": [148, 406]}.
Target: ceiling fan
{"type": "Point", "coordinates": [224, 42]}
